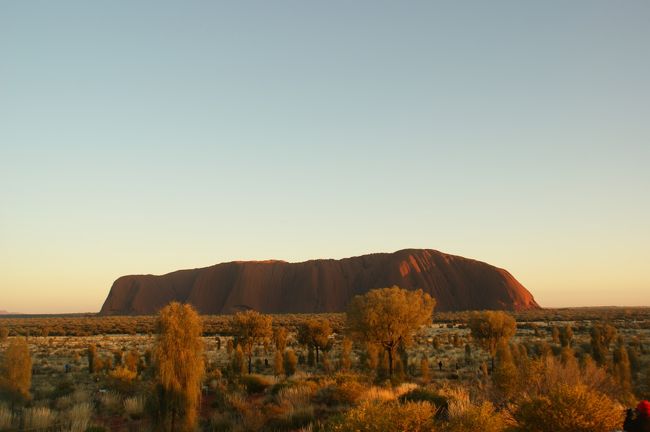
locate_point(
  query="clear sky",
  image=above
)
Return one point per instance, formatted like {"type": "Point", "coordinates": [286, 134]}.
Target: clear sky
{"type": "Point", "coordinates": [149, 136]}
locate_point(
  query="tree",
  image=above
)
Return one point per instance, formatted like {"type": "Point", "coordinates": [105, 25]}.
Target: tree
{"type": "Point", "coordinates": [16, 371]}
{"type": "Point", "coordinates": [622, 370]}
{"type": "Point", "coordinates": [345, 361]}
{"type": "Point", "coordinates": [251, 328]}
{"type": "Point", "coordinates": [290, 362]}
{"type": "Point", "coordinates": [388, 317]}
{"type": "Point", "coordinates": [555, 334]}
{"type": "Point", "coordinates": [370, 357]}
{"type": "Point", "coordinates": [602, 336]}
{"type": "Point", "coordinates": [491, 327]}
{"type": "Point", "coordinates": [468, 354]}
{"type": "Point", "coordinates": [237, 363]}
{"type": "Point", "coordinates": [280, 336]}
{"type": "Point", "coordinates": [278, 363]}
{"type": "Point", "coordinates": [566, 335]}
{"type": "Point", "coordinates": [315, 334]}
{"type": "Point", "coordinates": [179, 365]}
{"type": "Point", "coordinates": [504, 375]}
{"type": "Point", "coordinates": [92, 359]}
{"type": "Point", "coordinates": [424, 368]}
{"type": "Point", "coordinates": [4, 334]}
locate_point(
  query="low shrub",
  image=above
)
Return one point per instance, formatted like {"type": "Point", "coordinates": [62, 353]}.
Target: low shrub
{"type": "Point", "coordinates": [465, 417]}
{"type": "Point", "coordinates": [255, 383]}
{"type": "Point", "coordinates": [425, 395]}
{"type": "Point", "coordinates": [387, 416]}
{"type": "Point", "coordinates": [345, 393]}
{"type": "Point", "coordinates": [569, 409]}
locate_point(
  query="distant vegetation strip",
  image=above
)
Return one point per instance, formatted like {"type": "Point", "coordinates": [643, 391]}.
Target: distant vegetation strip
{"type": "Point", "coordinates": [92, 324]}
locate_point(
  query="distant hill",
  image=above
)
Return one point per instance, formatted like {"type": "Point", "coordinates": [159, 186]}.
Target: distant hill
{"type": "Point", "coordinates": [324, 285]}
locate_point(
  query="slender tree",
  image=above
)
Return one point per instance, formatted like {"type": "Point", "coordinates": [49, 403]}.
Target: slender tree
{"type": "Point", "coordinates": [504, 375]}
{"type": "Point", "coordinates": [251, 328]}
{"type": "Point", "coordinates": [280, 336]}
{"type": "Point", "coordinates": [345, 361]}
{"type": "Point", "coordinates": [566, 335]}
{"type": "Point", "coordinates": [424, 368]}
{"type": "Point", "coordinates": [290, 362]}
{"type": "Point", "coordinates": [179, 366]}
{"type": "Point", "coordinates": [490, 328]}
{"type": "Point", "coordinates": [389, 317]}
{"type": "Point", "coordinates": [315, 334]}
{"type": "Point", "coordinates": [278, 363]}
{"type": "Point", "coordinates": [16, 371]}
{"type": "Point", "coordinates": [92, 358]}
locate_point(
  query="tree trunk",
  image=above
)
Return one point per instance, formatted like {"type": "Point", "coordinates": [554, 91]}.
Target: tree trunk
{"type": "Point", "coordinates": [173, 425]}
{"type": "Point", "coordinates": [250, 360]}
{"type": "Point", "coordinates": [316, 355]}
{"type": "Point", "coordinates": [390, 362]}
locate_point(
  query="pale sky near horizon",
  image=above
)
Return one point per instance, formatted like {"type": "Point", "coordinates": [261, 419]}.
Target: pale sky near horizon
{"type": "Point", "coordinates": [146, 137]}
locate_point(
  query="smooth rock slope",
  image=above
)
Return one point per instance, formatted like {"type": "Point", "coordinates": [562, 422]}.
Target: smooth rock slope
{"type": "Point", "coordinates": [323, 285]}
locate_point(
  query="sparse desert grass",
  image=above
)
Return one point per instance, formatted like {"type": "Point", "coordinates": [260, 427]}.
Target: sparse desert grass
{"type": "Point", "coordinates": [78, 417]}
{"type": "Point", "coordinates": [314, 396]}
{"type": "Point", "coordinates": [134, 406]}
{"type": "Point", "coordinates": [39, 418]}
{"type": "Point", "coordinates": [111, 402]}
{"type": "Point", "coordinates": [378, 394]}
{"type": "Point", "coordinates": [6, 417]}
{"type": "Point", "coordinates": [295, 396]}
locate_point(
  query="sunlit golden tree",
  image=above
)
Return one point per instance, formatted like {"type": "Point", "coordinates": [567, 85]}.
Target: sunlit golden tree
{"type": "Point", "coordinates": [490, 328]}
{"type": "Point", "coordinates": [16, 371]}
{"type": "Point", "coordinates": [280, 336]}
{"type": "Point", "coordinates": [389, 317]}
{"type": "Point", "coordinates": [251, 329]}
{"type": "Point", "coordinates": [315, 334]}
{"type": "Point", "coordinates": [179, 366]}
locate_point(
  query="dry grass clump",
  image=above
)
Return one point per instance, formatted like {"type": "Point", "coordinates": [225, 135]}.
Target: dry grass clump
{"type": "Point", "coordinates": [63, 403]}
{"type": "Point", "coordinates": [465, 416]}
{"type": "Point", "coordinates": [377, 394]}
{"type": "Point", "coordinates": [6, 418]}
{"type": "Point", "coordinates": [39, 418]}
{"type": "Point", "coordinates": [134, 406]}
{"type": "Point", "coordinates": [294, 397]}
{"type": "Point", "coordinates": [110, 402]}
{"type": "Point", "coordinates": [80, 396]}
{"type": "Point", "coordinates": [78, 417]}
{"type": "Point", "coordinates": [236, 402]}
{"type": "Point", "coordinates": [384, 394]}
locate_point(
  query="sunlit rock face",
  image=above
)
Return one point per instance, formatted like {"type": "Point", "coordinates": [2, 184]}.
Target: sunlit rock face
{"type": "Point", "coordinates": [324, 285]}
